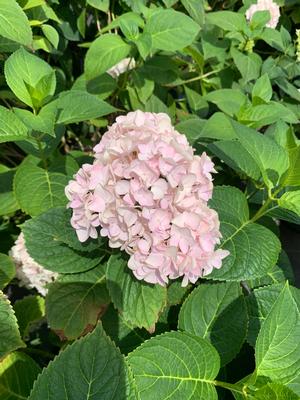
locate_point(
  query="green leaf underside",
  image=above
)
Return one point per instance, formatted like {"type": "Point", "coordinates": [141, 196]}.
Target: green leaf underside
{"type": "Point", "coordinates": [253, 248]}
{"type": "Point", "coordinates": [175, 365]}
{"type": "Point", "coordinates": [216, 312]}
{"type": "Point", "coordinates": [140, 303]}
{"type": "Point", "coordinates": [92, 367]}
{"type": "Point", "coordinates": [10, 338]}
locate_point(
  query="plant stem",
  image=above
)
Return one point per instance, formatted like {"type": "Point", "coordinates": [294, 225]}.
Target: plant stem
{"type": "Point", "coordinates": [230, 386]}
{"type": "Point", "coordinates": [196, 78]}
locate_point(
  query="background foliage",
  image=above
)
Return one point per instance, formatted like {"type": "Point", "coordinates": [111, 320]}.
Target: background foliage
{"type": "Point", "coordinates": [232, 88]}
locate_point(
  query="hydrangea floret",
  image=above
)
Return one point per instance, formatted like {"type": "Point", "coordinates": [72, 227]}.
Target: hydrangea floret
{"type": "Point", "coordinates": [265, 5]}
{"type": "Point", "coordinates": [147, 192]}
{"type": "Point", "coordinates": [30, 273]}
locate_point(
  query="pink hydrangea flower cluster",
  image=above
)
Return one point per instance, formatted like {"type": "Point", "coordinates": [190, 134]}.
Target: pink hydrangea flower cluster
{"type": "Point", "coordinates": [265, 5]}
{"type": "Point", "coordinates": [148, 193]}
{"type": "Point", "coordinates": [30, 273]}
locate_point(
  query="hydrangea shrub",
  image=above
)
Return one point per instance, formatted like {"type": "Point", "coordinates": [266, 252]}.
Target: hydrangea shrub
{"type": "Point", "coordinates": [149, 157]}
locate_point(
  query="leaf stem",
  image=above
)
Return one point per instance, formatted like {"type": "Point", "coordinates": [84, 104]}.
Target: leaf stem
{"type": "Point", "coordinates": [230, 386]}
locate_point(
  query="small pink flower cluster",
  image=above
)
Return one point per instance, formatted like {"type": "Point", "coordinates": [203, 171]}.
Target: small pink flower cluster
{"type": "Point", "coordinates": [30, 273]}
{"type": "Point", "coordinates": [148, 192]}
{"type": "Point", "coordinates": [265, 5]}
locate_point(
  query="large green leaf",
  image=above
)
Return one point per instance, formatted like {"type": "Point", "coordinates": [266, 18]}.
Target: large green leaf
{"type": "Point", "coordinates": [17, 374]}
{"type": "Point", "coordinates": [249, 65]}
{"type": "Point", "coordinates": [30, 78]}
{"type": "Point", "coordinates": [92, 367]}
{"type": "Point", "coordinates": [227, 20]}
{"type": "Point", "coordinates": [175, 365]}
{"type": "Point", "coordinates": [140, 303]}
{"type": "Point", "coordinates": [171, 30]}
{"type": "Point", "coordinates": [10, 338]}
{"type": "Point", "coordinates": [11, 127]}
{"type": "Point", "coordinates": [271, 158]}
{"type": "Point", "coordinates": [229, 101]}
{"type": "Point", "coordinates": [293, 175]}
{"type": "Point", "coordinates": [78, 105]}
{"type": "Point", "coordinates": [58, 249]}
{"type": "Point", "coordinates": [253, 248]}
{"type": "Point", "coordinates": [14, 24]}
{"type": "Point", "coordinates": [126, 336]}
{"type": "Point", "coordinates": [217, 312]}
{"type": "Point", "coordinates": [37, 190]}
{"type": "Point", "coordinates": [8, 201]}
{"type": "Point", "coordinates": [234, 155]}
{"type": "Point", "coordinates": [83, 302]}
{"type": "Point", "coordinates": [277, 349]}
{"type": "Point", "coordinates": [291, 201]}
{"type": "Point", "coordinates": [104, 53]}
{"type": "Point", "coordinates": [7, 270]}
{"type": "Point", "coordinates": [259, 305]}
{"type": "Point", "coordinates": [275, 391]}
{"type": "Point", "coordinates": [29, 310]}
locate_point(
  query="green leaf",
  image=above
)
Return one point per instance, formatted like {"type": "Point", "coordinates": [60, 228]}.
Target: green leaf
{"type": "Point", "coordinates": [277, 349]}
{"type": "Point", "coordinates": [10, 338]}
{"type": "Point", "coordinates": [51, 34]}
{"type": "Point", "coordinates": [253, 248]}
{"type": "Point", "coordinates": [259, 304]}
{"type": "Point", "coordinates": [218, 127]}
{"type": "Point", "coordinates": [291, 201]}
{"type": "Point", "coordinates": [266, 114]}
{"type": "Point", "coordinates": [234, 155]}
{"type": "Point", "coordinates": [293, 175]}
{"type": "Point", "coordinates": [77, 106]}
{"type": "Point", "coordinates": [171, 30]}
{"type": "Point", "coordinates": [90, 367]}
{"type": "Point", "coordinates": [216, 312]}
{"type": "Point", "coordinates": [191, 128]}
{"type": "Point", "coordinates": [126, 336]}
{"type": "Point", "coordinates": [175, 365]}
{"type": "Point", "coordinates": [11, 128]}
{"type": "Point", "coordinates": [41, 123]}
{"type": "Point", "coordinates": [105, 52]}
{"type": "Point", "coordinates": [275, 391]}
{"type": "Point", "coordinates": [229, 101]}
{"type": "Point", "coordinates": [83, 303]}
{"type": "Point", "coordinates": [30, 78]}
{"type": "Point", "coordinates": [37, 190]}
{"type": "Point", "coordinates": [195, 9]}
{"type": "Point", "coordinates": [195, 100]}
{"type": "Point", "coordinates": [7, 270]}
{"type": "Point", "coordinates": [17, 375]}
{"type": "Point", "coordinates": [14, 24]}
{"type": "Point", "coordinates": [262, 90]}
{"type": "Point", "coordinates": [264, 151]}
{"type": "Point", "coordinates": [102, 5]}
{"type": "Point", "coordinates": [248, 65]}
{"type": "Point", "coordinates": [140, 303]}
{"type": "Point", "coordinates": [52, 242]}
{"type": "Point", "coordinates": [8, 202]}
{"type": "Point", "coordinates": [144, 44]}
{"type": "Point", "coordinates": [29, 310]}
{"type": "Point", "coordinates": [227, 20]}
